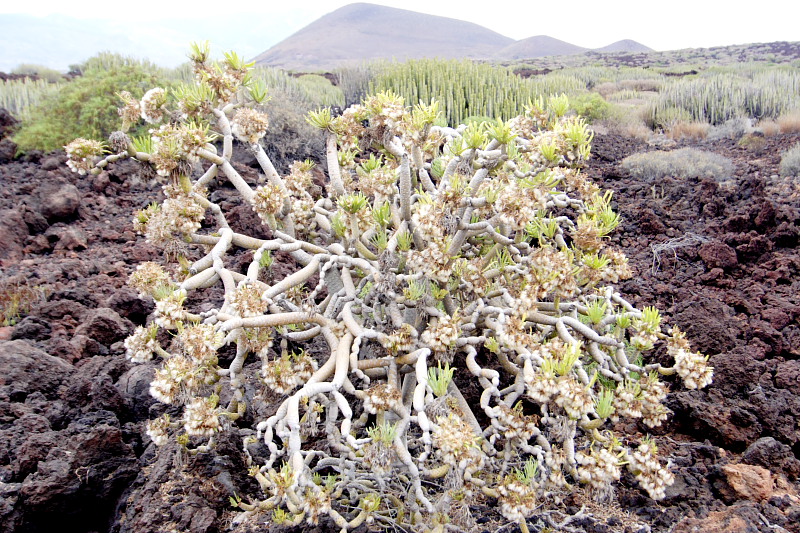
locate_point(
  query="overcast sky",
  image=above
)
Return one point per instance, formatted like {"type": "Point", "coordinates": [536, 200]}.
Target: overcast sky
{"type": "Point", "coordinates": [588, 23]}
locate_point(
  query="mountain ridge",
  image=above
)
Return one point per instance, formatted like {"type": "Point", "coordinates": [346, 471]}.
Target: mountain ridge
{"type": "Point", "coordinates": [363, 31]}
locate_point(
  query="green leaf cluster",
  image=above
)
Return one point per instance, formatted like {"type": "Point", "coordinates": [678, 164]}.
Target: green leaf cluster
{"type": "Point", "coordinates": [86, 107]}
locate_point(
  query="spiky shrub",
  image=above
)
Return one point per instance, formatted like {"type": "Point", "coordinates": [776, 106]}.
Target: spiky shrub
{"type": "Point", "coordinates": [444, 257]}
{"type": "Point", "coordinates": [19, 96]}
{"type": "Point", "coordinates": [482, 89]}
{"type": "Point", "coordinates": [717, 97]}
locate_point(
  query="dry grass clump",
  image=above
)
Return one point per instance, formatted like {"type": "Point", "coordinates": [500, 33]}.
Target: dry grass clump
{"type": "Point", "coordinates": [685, 163]}
{"type": "Point", "coordinates": [789, 122]}
{"type": "Point", "coordinates": [688, 130]}
{"type": "Point", "coordinates": [769, 128]}
{"type": "Point", "coordinates": [624, 120]}
{"type": "Point", "coordinates": [17, 298]}
{"type": "Point", "coordinates": [754, 142]}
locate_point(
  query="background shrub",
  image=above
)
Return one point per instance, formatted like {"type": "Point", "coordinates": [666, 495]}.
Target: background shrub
{"type": "Point", "coordinates": [790, 161]}
{"type": "Point", "coordinates": [684, 163]}
{"type": "Point", "coordinates": [754, 142]}
{"type": "Point", "coordinates": [722, 94]}
{"type": "Point", "coordinates": [590, 106]}
{"type": "Point", "coordinates": [465, 88]}
{"type": "Point", "coordinates": [40, 71]}
{"type": "Point", "coordinates": [85, 107]}
{"type": "Point", "coordinates": [289, 137]}
{"type": "Point", "coordinates": [732, 129]}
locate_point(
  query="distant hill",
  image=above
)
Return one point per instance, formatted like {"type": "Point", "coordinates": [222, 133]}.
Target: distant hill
{"type": "Point", "coordinates": [361, 31]}
{"type": "Point", "coordinates": [351, 34]}
{"type": "Point", "coordinates": [625, 45]}
{"type": "Point", "coordinates": [538, 46]}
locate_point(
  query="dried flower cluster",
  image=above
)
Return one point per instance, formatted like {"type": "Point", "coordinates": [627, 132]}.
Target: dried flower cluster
{"type": "Point", "coordinates": [82, 154]}
{"type": "Point", "coordinates": [478, 251]}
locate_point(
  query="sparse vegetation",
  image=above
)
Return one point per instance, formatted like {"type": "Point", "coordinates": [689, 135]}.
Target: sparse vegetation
{"type": "Point", "coordinates": [790, 162]}
{"type": "Point", "coordinates": [311, 91]}
{"type": "Point", "coordinates": [688, 130]}
{"type": "Point", "coordinates": [591, 106]}
{"type": "Point", "coordinates": [753, 142]}
{"type": "Point", "coordinates": [686, 163]}
{"type": "Point", "coordinates": [732, 129]}
{"type": "Point", "coordinates": [17, 299]}
{"type": "Point", "coordinates": [680, 95]}
{"type": "Point", "coordinates": [289, 136]}
{"type": "Point", "coordinates": [789, 122]}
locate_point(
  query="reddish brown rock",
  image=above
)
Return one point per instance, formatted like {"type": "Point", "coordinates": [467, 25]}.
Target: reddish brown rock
{"type": "Point", "coordinates": [749, 482]}
{"type": "Point", "coordinates": [716, 254]}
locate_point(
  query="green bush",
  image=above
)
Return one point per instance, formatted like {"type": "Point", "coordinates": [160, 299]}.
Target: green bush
{"type": "Point", "coordinates": [685, 163]}
{"type": "Point", "coordinates": [321, 90]}
{"type": "Point", "coordinates": [590, 106]}
{"type": "Point", "coordinates": [478, 119]}
{"type": "Point", "coordinates": [86, 107]}
{"type": "Point", "coordinates": [790, 161]}
{"type": "Point", "coordinates": [311, 90]}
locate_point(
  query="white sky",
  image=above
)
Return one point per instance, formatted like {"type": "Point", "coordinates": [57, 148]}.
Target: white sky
{"type": "Point", "coordinates": [589, 23]}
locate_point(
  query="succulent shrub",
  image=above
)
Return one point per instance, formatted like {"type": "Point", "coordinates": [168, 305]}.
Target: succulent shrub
{"type": "Point", "coordinates": [482, 89]}
{"type": "Point", "coordinates": [20, 96]}
{"type": "Point", "coordinates": [436, 259]}
{"type": "Point", "coordinates": [757, 92]}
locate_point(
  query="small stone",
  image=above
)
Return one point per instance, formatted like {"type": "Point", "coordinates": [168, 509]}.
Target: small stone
{"type": "Point", "coordinates": [32, 328]}
{"type": "Point", "coordinates": [71, 239]}
{"type": "Point", "coordinates": [51, 163]}
{"type": "Point", "coordinates": [769, 453]}
{"type": "Point", "coordinates": [749, 482]}
{"type": "Point", "coordinates": [716, 254]}
{"type": "Point", "coordinates": [105, 326]}
{"type": "Point", "coordinates": [101, 182]}
{"type": "Point", "coordinates": [59, 201]}
{"type": "Point", "coordinates": [13, 232]}
{"type": "Point", "coordinates": [8, 150]}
